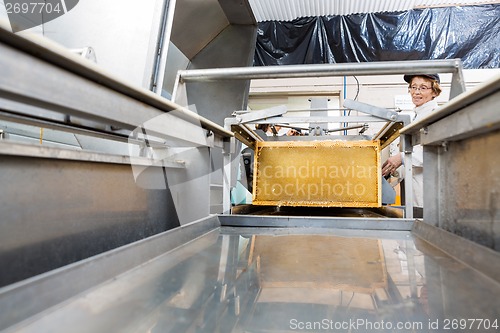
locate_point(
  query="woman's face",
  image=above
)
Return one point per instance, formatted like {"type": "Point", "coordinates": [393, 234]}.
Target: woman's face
{"type": "Point", "coordinates": [421, 90]}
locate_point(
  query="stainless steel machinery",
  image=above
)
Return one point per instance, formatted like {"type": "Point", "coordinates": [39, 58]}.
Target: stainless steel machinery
{"type": "Point", "coordinates": [110, 241]}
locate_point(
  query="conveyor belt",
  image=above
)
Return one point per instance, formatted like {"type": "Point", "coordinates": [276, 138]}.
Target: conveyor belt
{"type": "Point", "coordinates": [279, 280]}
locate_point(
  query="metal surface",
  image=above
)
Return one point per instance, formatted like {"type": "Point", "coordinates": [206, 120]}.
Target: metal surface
{"type": "Point", "coordinates": [261, 114]}
{"type": "Point", "coordinates": [472, 254]}
{"type": "Point", "coordinates": [331, 173]}
{"type": "Point", "coordinates": [321, 70]}
{"type": "Point", "coordinates": [318, 120]}
{"type": "Point", "coordinates": [354, 222]}
{"type": "Point", "coordinates": [476, 119]}
{"type": "Point", "coordinates": [378, 112]}
{"type": "Point", "coordinates": [43, 152]}
{"type": "Point", "coordinates": [96, 24]}
{"type": "Point", "coordinates": [275, 280]}
{"type": "Point", "coordinates": [52, 287]}
{"type": "Point", "coordinates": [59, 206]}
{"type": "Point", "coordinates": [389, 133]}
{"type": "Point", "coordinates": [165, 33]}
{"type": "Point", "coordinates": [62, 208]}
{"type": "Point", "coordinates": [94, 94]}
{"type": "Point", "coordinates": [196, 24]}
{"type": "Point", "coordinates": [391, 130]}
{"type": "Point", "coordinates": [465, 195]}
{"type": "Point", "coordinates": [234, 46]}
{"type": "Point", "coordinates": [238, 12]}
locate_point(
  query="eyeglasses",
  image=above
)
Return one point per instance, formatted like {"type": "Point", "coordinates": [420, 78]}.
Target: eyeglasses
{"type": "Point", "coordinates": [423, 88]}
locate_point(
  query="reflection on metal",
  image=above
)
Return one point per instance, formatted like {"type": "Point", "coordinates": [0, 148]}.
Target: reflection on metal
{"type": "Point", "coordinates": [267, 280]}
{"type": "Point", "coordinates": [317, 173]}
{"type": "Point", "coordinates": [310, 261]}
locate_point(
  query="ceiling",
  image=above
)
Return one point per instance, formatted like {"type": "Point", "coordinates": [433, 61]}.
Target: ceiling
{"type": "Point", "coordinates": [287, 10]}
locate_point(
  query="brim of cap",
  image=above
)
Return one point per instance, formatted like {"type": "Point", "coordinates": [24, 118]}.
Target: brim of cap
{"type": "Point", "coordinates": [409, 77]}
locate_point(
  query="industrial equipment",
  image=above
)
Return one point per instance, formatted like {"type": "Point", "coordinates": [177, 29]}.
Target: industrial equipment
{"type": "Point", "coordinates": [127, 241]}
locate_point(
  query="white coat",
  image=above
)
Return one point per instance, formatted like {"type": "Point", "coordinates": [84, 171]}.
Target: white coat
{"type": "Point", "coordinates": [418, 156]}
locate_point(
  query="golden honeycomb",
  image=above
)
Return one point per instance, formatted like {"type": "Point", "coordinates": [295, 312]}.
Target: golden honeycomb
{"type": "Point", "coordinates": [333, 173]}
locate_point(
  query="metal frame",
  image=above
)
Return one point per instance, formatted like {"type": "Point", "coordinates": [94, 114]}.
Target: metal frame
{"type": "Point", "coordinates": [403, 224]}
{"type": "Point", "coordinates": [453, 66]}
{"type": "Point", "coordinates": [247, 136]}
{"type": "Point", "coordinates": [277, 115]}
{"type": "Point", "coordinates": [165, 31]}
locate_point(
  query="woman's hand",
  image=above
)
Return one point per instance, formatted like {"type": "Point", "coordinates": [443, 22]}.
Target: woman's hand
{"type": "Point", "coordinates": [391, 164]}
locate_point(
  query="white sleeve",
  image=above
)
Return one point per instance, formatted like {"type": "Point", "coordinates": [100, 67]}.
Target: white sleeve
{"type": "Point", "coordinates": [417, 157]}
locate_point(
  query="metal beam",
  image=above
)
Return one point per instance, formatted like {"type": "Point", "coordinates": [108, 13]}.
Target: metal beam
{"type": "Point", "coordinates": [262, 114]}
{"type": "Point", "coordinates": [315, 120]}
{"type": "Point", "coordinates": [27, 150]}
{"type": "Point", "coordinates": [376, 111]}
{"type": "Point", "coordinates": [316, 222]}
{"type": "Point", "coordinates": [319, 70]}
{"type": "Point", "coordinates": [478, 118]}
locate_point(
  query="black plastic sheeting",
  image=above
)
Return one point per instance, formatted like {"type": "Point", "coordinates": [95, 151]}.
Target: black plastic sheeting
{"type": "Point", "coordinates": [471, 33]}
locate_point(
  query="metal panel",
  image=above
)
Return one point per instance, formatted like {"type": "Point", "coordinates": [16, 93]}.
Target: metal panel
{"type": "Point", "coordinates": [55, 212]}
{"type": "Point", "coordinates": [238, 12]}
{"type": "Point", "coordinates": [317, 173]}
{"type": "Point", "coordinates": [17, 301]}
{"type": "Point", "coordinates": [60, 84]}
{"type": "Point", "coordinates": [468, 190]}
{"type": "Point", "coordinates": [85, 99]}
{"type": "Point", "coordinates": [471, 253]}
{"type": "Point", "coordinates": [96, 24]}
{"type": "Point", "coordinates": [218, 100]}
{"type": "Point", "coordinates": [47, 70]}
{"type": "Point", "coordinates": [196, 24]}
{"type": "Point", "coordinates": [474, 120]}
{"type": "Point", "coordinates": [219, 282]}
{"type": "Point", "coordinates": [60, 206]}
{"type": "Point", "coordinates": [287, 10]}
